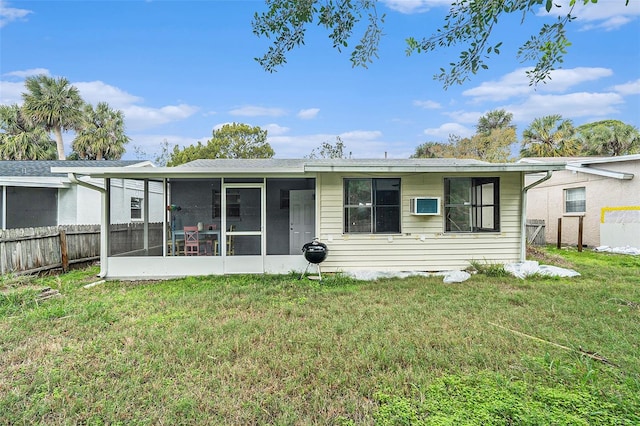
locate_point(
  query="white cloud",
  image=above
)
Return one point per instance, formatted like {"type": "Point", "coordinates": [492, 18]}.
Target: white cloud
{"type": "Point", "coordinates": [427, 104]}
{"type": "Point", "coordinates": [97, 91]}
{"type": "Point", "coordinates": [256, 111]}
{"type": "Point", "coordinates": [443, 132]}
{"type": "Point", "coordinates": [362, 143]}
{"type": "Point", "coordinates": [516, 83]}
{"type": "Point", "coordinates": [275, 129]}
{"type": "Point", "coordinates": [414, 6]}
{"type": "Point", "coordinates": [573, 105]}
{"type": "Point", "coordinates": [469, 117]}
{"type": "Point", "coordinates": [10, 14]}
{"type": "Point", "coordinates": [308, 114]}
{"type": "Point", "coordinates": [360, 135]}
{"type": "Point", "coordinates": [11, 92]}
{"type": "Point", "coordinates": [27, 73]}
{"type": "Point", "coordinates": [630, 88]}
{"type": "Point", "coordinates": [138, 117]}
{"type": "Point", "coordinates": [608, 15]}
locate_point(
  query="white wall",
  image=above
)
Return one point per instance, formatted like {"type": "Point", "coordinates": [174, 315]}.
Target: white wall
{"type": "Point", "coordinates": [82, 206]}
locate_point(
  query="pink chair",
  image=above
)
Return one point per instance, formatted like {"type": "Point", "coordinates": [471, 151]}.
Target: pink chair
{"type": "Point", "coordinates": [191, 241]}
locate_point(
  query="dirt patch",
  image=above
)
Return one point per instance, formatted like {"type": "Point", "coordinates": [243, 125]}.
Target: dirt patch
{"type": "Point", "coordinates": [544, 258]}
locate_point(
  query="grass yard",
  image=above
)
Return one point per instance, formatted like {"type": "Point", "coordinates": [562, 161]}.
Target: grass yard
{"type": "Point", "coordinates": [278, 350]}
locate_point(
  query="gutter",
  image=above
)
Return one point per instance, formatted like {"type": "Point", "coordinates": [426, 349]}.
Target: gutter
{"type": "Point", "coordinates": [104, 215]}
{"type": "Point", "coordinates": [523, 220]}
{"type": "Point", "coordinates": [74, 179]}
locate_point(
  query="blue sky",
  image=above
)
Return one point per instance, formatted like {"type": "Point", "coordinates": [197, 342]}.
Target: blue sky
{"type": "Point", "coordinates": [178, 69]}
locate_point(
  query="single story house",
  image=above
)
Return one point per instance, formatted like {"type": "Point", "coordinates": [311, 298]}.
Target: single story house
{"type": "Point", "coordinates": [603, 191]}
{"type": "Point", "coordinates": [254, 216]}
{"type": "Point", "coordinates": [32, 196]}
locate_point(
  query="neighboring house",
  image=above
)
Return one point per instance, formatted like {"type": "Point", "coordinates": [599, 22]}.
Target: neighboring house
{"type": "Point", "coordinates": [255, 215]}
{"type": "Point", "coordinates": [604, 191]}
{"type": "Point", "coordinates": [32, 196]}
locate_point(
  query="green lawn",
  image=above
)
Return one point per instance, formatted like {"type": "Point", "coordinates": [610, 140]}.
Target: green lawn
{"type": "Point", "coordinates": [278, 350]}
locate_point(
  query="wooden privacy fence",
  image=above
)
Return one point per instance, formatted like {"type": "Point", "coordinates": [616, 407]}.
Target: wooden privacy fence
{"type": "Point", "coordinates": [31, 250]}
{"type": "Point", "coordinates": [535, 232]}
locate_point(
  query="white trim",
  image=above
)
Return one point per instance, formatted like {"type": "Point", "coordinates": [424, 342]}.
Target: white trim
{"type": "Point", "coordinates": [36, 182]}
{"type": "Point", "coordinates": [600, 172]}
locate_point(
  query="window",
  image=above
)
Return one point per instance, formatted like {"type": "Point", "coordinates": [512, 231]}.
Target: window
{"type": "Point", "coordinates": [472, 204]}
{"type": "Point", "coordinates": [233, 204]}
{"type": "Point", "coordinates": [136, 208]}
{"type": "Point", "coordinates": [575, 200]}
{"type": "Point", "coordinates": [372, 206]}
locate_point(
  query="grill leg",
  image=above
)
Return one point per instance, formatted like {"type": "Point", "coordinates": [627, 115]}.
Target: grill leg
{"type": "Point", "coordinates": [305, 270]}
{"type": "Point", "coordinates": [319, 274]}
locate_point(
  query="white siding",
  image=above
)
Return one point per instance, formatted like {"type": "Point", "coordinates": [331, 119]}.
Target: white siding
{"type": "Point", "coordinates": [422, 244]}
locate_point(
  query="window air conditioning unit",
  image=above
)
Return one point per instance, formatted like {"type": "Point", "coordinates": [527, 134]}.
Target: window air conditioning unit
{"type": "Point", "coordinates": [425, 206]}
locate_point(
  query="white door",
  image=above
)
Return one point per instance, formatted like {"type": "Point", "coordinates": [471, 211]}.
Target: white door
{"type": "Point", "coordinates": [302, 219]}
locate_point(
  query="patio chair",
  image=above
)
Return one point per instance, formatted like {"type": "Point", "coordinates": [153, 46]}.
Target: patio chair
{"type": "Point", "coordinates": [191, 241]}
{"type": "Point", "coordinates": [212, 244]}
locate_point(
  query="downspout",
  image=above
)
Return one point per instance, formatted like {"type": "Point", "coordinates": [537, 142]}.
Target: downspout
{"type": "Point", "coordinates": [103, 219]}
{"type": "Point", "coordinates": [523, 220]}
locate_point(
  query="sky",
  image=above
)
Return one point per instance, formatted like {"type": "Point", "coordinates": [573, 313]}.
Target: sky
{"type": "Point", "coordinates": [179, 69]}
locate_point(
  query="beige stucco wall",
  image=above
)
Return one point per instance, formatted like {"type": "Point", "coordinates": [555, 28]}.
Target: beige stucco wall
{"type": "Point", "coordinates": [422, 244]}
{"type": "Point", "coordinates": [546, 201]}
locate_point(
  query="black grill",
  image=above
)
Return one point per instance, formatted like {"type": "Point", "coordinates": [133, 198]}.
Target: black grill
{"type": "Point", "coordinates": [315, 252]}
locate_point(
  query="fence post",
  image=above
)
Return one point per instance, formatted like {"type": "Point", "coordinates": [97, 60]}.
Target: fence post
{"type": "Point", "coordinates": [63, 250]}
{"type": "Point", "coordinates": [580, 227]}
{"type": "Point", "coordinates": [559, 232]}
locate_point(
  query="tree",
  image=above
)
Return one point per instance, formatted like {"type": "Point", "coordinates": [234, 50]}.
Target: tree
{"type": "Point", "coordinates": [492, 142]}
{"type": "Point", "coordinates": [609, 137]}
{"type": "Point", "coordinates": [327, 150]}
{"type": "Point", "coordinates": [54, 104]}
{"type": "Point", "coordinates": [101, 134]}
{"type": "Point", "coordinates": [20, 139]}
{"type": "Point", "coordinates": [496, 119]}
{"type": "Point", "coordinates": [234, 140]}
{"type": "Point", "coordinates": [469, 23]}
{"type": "Point", "coordinates": [435, 150]}
{"type": "Point", "coordinates": [550, 136]}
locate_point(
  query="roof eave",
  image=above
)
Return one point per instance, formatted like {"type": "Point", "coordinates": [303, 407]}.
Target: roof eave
{"type": "Point", "coordinates": [483, 167]}
{"type": "Point", "coordinates": [600, 172]}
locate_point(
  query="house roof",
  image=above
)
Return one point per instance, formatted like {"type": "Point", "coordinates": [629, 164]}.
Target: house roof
{"type": "Point", "coordinates": [34, 173]}
{"type": "Point", "coordinates": [254, 167]}
{"type": "Point", "coordinates": [585, 164]}
{"type": "Point", "coordinates": [43, 168]}
{"type": "Point", "coordinates": [581, 160]}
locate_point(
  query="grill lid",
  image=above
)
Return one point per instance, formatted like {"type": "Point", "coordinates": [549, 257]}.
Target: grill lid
{"type": "Point", "coordinates": [315, 251]}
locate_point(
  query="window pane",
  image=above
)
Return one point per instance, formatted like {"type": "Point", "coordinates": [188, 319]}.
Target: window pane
{"type": "Point", "coordinates": [575, 200]}
{"type": "Point", "coordinates": [357, 192]}
{"type": "Point", "coordinates": [458, 191]}
{"type": "Point", "coordinates": [387, 219]}
{"type": "Point", "coordinates": [458, 219]}
{"type": "Point", "coordinates": [387, 192]}
{"type": "Point", "coordinates": [136, 208]}
{"type": "Point", "coordinates": [486, 218]}
{"type": "Point", "coordinates": [357, 219]}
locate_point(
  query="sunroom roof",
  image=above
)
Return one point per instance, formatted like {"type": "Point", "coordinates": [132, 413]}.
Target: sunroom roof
{"type": "Point", "coordinates": [273, 166]}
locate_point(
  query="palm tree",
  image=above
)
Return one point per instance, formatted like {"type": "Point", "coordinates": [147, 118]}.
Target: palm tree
{"type": "Point", "coordinates": [609, 137]}
{"type": "Point", "coordinates": [101, 134]}
{"type": "Point", "coordinates": [21, 140]}
{"type": "Point", "coordinates": [496, 119]}
{"type": "Point", "coordinates": [54, 104]}
{"type": "Point", "coordinates": [550, 136]}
